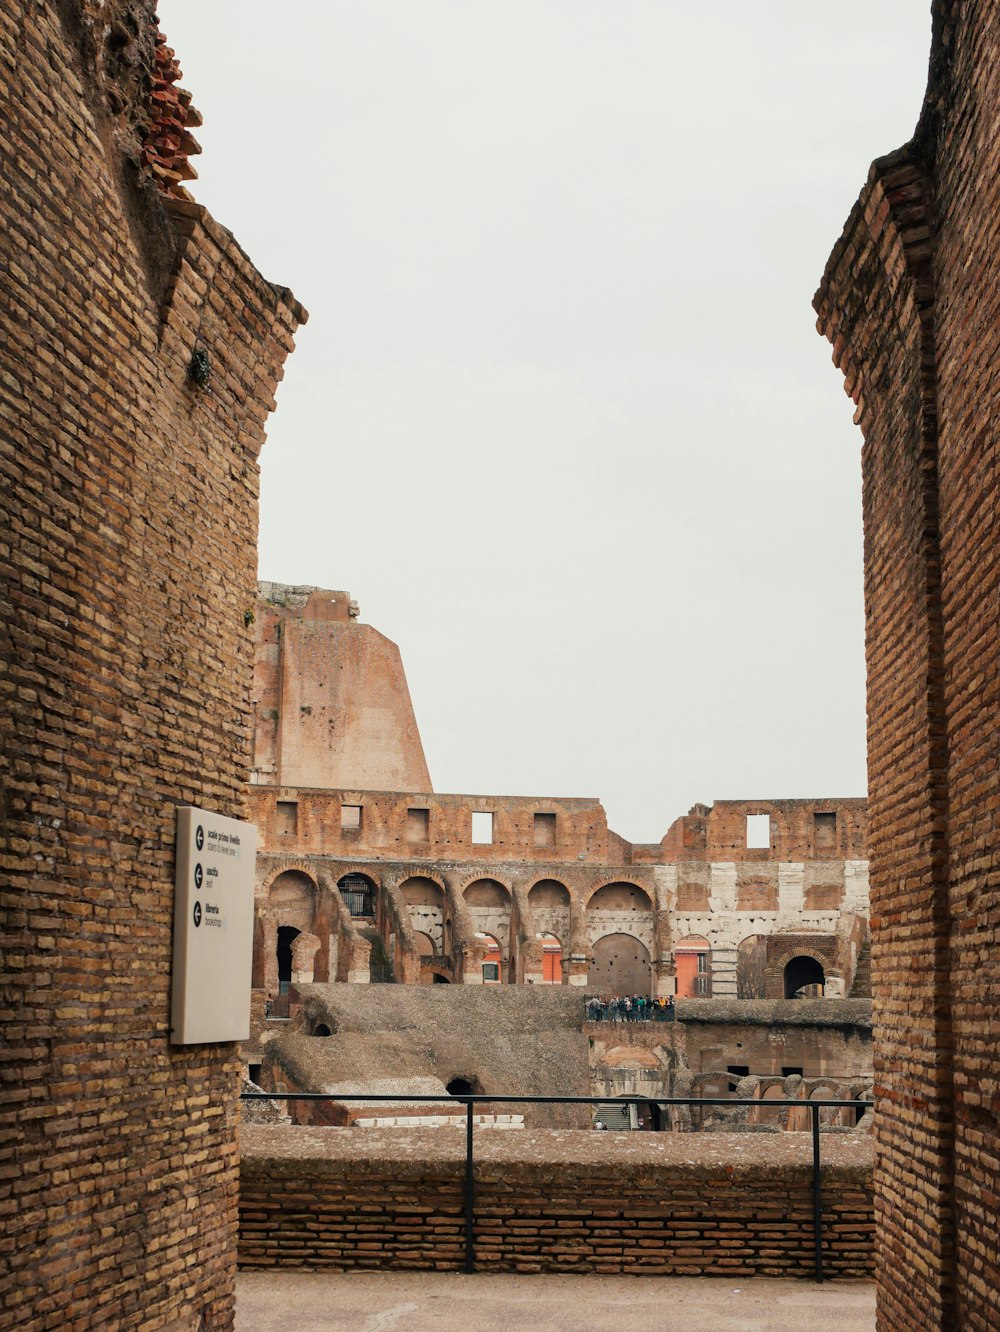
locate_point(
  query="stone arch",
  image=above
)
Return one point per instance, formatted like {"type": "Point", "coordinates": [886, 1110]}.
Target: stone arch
{"type": "Point", "coordinates": [619, 895]}
{"type": "Point", "coordinates": [776, 968]}
{"type": "Point", "coordinates": [488, 903]}
{"type": "Point", "coordinates": [359, 893]}
{"type": "Point", "coordinates": [271, 868]}
{"type": "Point", "coordinates": [548, 895]}
{"type": "Point", "coordinates": [622, 965]}
{"type": "Point", "coordinates": [291, 898]}
{"type": "Point", "coordinates": [489, 893]}
{"type": "Point", "coordinates": [425, 900]}
{"type": "Point", "coordinates": [415, 888]}
{"type": "Point", "coordinates": [289, 909]}
{"type": "Point", "coordinates": [801, 972]}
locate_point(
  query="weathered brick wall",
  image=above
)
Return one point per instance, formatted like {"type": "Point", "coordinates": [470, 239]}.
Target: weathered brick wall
{"type": "Point", "coordinates": [127, 556]}
{"type": "Point", "coordinates": [639, 1204]}
{"type": "Point", "coordinates": [910, 301]}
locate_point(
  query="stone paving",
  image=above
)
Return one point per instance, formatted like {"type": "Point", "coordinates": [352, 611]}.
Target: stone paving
{"type": "Point", "coordinates": [450, 1302]}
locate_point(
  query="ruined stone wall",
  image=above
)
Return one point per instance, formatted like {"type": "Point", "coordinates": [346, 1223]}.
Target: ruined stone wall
{"type": "Point", "coordinates": [652, 1204]}
{"type": "Point", "coordinates": [315, 825]}
{"type": "Point", "coordinates": [910, 301]}
{"type": "Point", "coordinates": [769, 1036]}
{"type": "Point", "coordinates": [129, 498]}
{"type": "Point", "coordinates": [553, 867]}
{"type": "Point", "coordinates": [331, 702]}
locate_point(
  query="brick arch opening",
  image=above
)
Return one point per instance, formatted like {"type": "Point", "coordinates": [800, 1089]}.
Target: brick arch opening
{"type": "Point", "coordinates": [425, 905]}
{"type": "Point", "coordinates": [620, 896]}
{"type": "Point", "coordinates": [548, 895]}
{"type": "Point", "coordinates": [358, 892]}
{"type": "Point", "coordinates": [487, 893]}
{"type": "Point", "coordinates": [803, 977]}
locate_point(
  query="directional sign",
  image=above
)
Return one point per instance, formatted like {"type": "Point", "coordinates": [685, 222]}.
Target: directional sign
{"type": "Point", "coordinates": [213, 928]}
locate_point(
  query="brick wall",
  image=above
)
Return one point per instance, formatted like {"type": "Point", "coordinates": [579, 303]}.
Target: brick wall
{"type": "Point", "coordinates": [637, 1204]}
{"type": "Point", "coordinates": [910, 302]}
{"type": "Point", "coordinates": [127, 556]}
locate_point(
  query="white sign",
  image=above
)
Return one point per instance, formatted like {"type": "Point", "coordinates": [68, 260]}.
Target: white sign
{"type": "Point", "coordinates": [213, 928]}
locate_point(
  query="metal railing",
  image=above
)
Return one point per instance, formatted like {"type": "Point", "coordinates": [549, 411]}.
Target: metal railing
{"type": "Point", "coordinates": [472, 1100]}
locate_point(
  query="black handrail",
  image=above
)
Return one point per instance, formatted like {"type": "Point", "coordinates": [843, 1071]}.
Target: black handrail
{"type": "Point", "coordinates": [471, 1100]}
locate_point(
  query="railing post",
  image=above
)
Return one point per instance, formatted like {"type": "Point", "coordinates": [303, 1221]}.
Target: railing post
{"type": "Point", "coordinates": [817, 1192]}
{"type": "Point", "coordinates": [470, 1197]}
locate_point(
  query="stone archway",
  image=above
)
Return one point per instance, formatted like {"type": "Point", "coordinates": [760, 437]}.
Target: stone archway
{"type": "Point", "coordinates": [803, 977]}
{"type": "Point", "coordinates": [622, 965]}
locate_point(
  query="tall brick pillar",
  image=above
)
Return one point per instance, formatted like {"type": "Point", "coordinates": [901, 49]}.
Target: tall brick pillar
{"type": "Point", "coordinates": [128, 492]}
{"type": "Point", "coordinates": [911, 303]}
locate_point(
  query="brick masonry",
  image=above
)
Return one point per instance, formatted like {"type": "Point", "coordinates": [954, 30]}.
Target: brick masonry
{"type": "Point", "coordinates": [911, 301]}
{"type": "Point", "coordinates": [637, 1204]}
{"type": "Point", "coordinates": [127, 552]}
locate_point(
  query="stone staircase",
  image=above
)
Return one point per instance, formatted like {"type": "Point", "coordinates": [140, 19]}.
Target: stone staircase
{"type": "Point", "coordinates": [615, 1115]}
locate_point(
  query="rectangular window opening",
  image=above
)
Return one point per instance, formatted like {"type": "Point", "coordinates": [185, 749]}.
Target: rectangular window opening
{"type": "Point", "coordinates": [788, 1071]}
{"type": "Point", "coordinates": [287, 817]}
{"type": "Point", "coordinates": [545, 830]}
{"type": "Point", "coordinates": [758, 832]}
{"type": "Point", "coordinates": [417, 825]}
{"type": "Point", "coordinates": [350, 818]}
{"type": "Point", "coordinates": [482, 827]}
{"type": "Point", "coordinates": [824, 832]}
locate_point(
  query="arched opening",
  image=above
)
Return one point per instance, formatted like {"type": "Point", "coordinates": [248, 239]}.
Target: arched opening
{"type": "Point", "coordinates": [487, 893]}
{"type": "Point", "coordinates": [622, 966]}
{"type": "Point", "coordinates": [287, 934]}
{"type": "Point", "coordinates": [441, 980]}
{"type": "Point", "coordinates": [321, 1029]}
{"type": "Point", "coordinates": [620, 897]}
{"type": "Point", "coordinates": [425, 903]}
{"type": "Point", "coordinates": [552, 972]}
{"type": "Point", "coordinates": [548, 895]}
{"type": "Point", "coordinates": [358, 893]}
{"type": "Point", "coordinates": [461, 1087]}
{"type": "Point", "coordinates": [804, 978]}
{"type": "Point", "coordinates": [693, 967]}
{"type": "Point", "coordinates": [775, 1092]}
{"type": "Point", "coordinates": [492, 965]}
{"type": "Point", "coordinates": [751, 968]}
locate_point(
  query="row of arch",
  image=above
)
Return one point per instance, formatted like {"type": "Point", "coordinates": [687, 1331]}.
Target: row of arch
{"type": "Point", "coordinates": [621, 963]}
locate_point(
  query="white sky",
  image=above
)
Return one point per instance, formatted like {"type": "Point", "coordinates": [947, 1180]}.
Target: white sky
{"type": "Point", "coordinates": [560, 419]}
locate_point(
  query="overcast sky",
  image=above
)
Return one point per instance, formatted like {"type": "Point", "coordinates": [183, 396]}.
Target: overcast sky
{"type": "Point", "coordinates": [560, 419]}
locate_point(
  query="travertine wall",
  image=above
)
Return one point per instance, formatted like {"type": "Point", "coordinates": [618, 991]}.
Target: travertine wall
{"type": "Point", "coordinates": [129, 500]}
{"type": "Point", "coordinates": [910, 300]}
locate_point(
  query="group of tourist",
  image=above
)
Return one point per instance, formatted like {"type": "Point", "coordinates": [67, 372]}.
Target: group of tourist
{"type": "Point", "coordinates": [629, 1008]}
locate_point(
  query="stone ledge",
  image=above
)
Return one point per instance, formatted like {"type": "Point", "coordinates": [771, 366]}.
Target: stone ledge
{"type": "Point", "coordinates": [332, 1152]}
